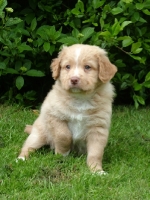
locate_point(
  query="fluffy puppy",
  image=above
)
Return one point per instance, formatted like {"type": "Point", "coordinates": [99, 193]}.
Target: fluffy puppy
{"type": "Point", "coordinates": [76, 113]}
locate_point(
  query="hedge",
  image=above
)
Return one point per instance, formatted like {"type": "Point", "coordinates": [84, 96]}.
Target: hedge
{"type": "Point", "coordinates": [32, 32]}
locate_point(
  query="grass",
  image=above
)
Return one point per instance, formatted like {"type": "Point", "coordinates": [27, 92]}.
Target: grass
{"type": "Point", "coordinates": [47, 176]}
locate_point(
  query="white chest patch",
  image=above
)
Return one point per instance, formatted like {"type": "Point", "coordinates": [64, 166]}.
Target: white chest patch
{"type": "Point", "coordinates": [77, 128]}
{"type": "Point", "coordinates": [77, 122]}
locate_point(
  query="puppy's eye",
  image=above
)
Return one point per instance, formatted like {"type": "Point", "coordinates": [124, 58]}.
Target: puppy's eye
{"type": "Point", "coordinates": [87, 67]}
{"type": "Point", "coordinates": [68, 67]}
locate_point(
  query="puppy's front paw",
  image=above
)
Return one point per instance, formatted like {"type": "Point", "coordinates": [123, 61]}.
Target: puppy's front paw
{"type": "Point", "coordinates": [20, 158]}
{"type": "Point", "coordinates": [100, 173]}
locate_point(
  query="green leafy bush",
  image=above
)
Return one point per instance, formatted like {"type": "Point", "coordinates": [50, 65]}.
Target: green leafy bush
{"type": "Point", "coordinates": [32, 33]}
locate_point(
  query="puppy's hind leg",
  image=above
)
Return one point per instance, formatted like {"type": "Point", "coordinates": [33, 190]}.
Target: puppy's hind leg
{"type": "Point", "coordinates": [34, 141]}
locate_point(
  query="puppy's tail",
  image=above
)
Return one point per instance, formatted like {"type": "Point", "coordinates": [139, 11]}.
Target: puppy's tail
{"type": "Point", "coordinates": [28, 129]}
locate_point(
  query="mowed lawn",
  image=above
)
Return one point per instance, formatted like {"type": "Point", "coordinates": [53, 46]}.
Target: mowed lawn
{"type": "Point", "coordinates": [45, 176]}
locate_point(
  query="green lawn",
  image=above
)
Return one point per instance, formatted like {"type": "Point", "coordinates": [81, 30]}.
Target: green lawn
{"type": "Point", "coordinates": [47, 176]}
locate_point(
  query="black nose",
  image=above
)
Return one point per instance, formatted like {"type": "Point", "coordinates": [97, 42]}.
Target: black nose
{"type": "Point", "coordinates": [74, 80]}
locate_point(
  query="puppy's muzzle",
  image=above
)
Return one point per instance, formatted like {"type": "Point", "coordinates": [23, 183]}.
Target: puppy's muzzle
{"type": "Point", "coordinates": [74, 81]}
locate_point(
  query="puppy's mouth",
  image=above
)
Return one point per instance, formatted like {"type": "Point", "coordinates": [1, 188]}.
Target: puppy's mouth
{"type": "Point", "coordinates": [75, 85]}
{"type": "Point", "coordinates": [75, 89]}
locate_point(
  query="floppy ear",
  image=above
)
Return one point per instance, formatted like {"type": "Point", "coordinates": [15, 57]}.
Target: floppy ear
{"type": "Point", "coordinates": [106, 69]}
{"type": "Point", "coordinates": [55, 67]}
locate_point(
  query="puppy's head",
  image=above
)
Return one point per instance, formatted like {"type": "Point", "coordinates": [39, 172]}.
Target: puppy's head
{"type": "Point", "coordinates": [81, 68]}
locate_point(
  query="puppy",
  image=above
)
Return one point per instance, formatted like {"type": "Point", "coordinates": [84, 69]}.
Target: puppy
{"type": "Point", "coordinates": [76, 113]}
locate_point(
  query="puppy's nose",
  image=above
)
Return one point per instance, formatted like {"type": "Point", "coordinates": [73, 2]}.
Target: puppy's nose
{"type": "Point", "coordinates": [74, 80]}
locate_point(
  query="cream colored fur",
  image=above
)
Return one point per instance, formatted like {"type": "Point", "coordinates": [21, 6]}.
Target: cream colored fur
{"type": "Point", "coordinates": [76, 113]}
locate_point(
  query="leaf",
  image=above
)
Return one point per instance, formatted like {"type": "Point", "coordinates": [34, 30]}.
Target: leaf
{"type": "Point", "coordinates": [51, 31]}
{"type": "Point", "coordinates": [35, 73]}
{"type": "Point", "coordinates": [52, 49]}
{"type": "Point", "coordinates": [19, 82]}
{"type": "Point", "coordinates": [147, 4]}
{"type": "Point", "coordinates": [18, 64]}
{"type": "Point", "coordinates": [139, 6]}
{"type": "Point", "coordinates": [3, 4]}
{"type": "Point", "coordinates": [48, 32]}
{"type": "Point", "coordinates": [11, 71]}
{"type": "Point", "coordinates": [42, 31]}
{"type": "Point", "coordinates": [141, 74]}
{"type": "Point", "coordinates": [105, 34]}
{"type": "Point", "coordinates": [19, 97]}
{"type": "Point", "coordinates": [27, 64]}
{"type": "Point", "coordinates": [142, 20]}
{"type": "Point", "coordinates": [29, 17]}
{"type": "Point", "coordinates": [135, 48]}
{"type": "Point", "coordinates": [25, 32]}
{"type": "Point", "coordinates": [136, 16]}
{"type": "Point", "coordinates": [137, 86]}
{"type": "Point", "coordinates": [123, 86]}
{"type": "Point", "coordinates": [75, 32]}
{"type": "Point", "coordinates": [12, 21]}
{"type": "Point", "coordinates": [127, 1]}
{"type": "Point", "coordinates": [135, 102]}
{"type": "Point", "coordinates": [140, 100]}
{"type": "Point", "coordinates": [125, 23]}
{"type": "Point", "coordinates": [138, 50]}
{"type": "Point", "coordinates": [33, 24]}
{"type": "Point", "coordinates": [126, 76]}
{"type": "Point", "coordinates": [40, 41]}
{"type": "Point", "coordinates": [68, 40]}
{"type": "Point", "coordinates": [75, 11]}
{"type": "Point", "coordinates": [97, 3]}
{"type": "Point", "coordinates": [116, 11]}
{"type": "Point", "coordinates": [120, 63]}
{"type": "Point", "coordinates": [146, 11]}
{"type": "Point", "coordinates": [136, 57]}
{"type": "Point", "coordinates": [30, 95]}
{"type": "Point", "coordinates": [2, 65]}
{"type": "Point", "coordinates": [46, 46]}
{"type": "Point", "coordinates": [87, 33]}
{"type": "Point", "coordinates": [147, 84]}
{"type": "Point", "coordinates": [24, 47]}
{"type": "Point", "coordinates": [80, 6]}
{"type": "Point", "coordinates": [101, 22]}
{"type": "Point", "coordinates": [126, 42]}
{"type": "Point", "coordinates": [147, 78]}
{"type": "Point", "coordinates": [116, 28]}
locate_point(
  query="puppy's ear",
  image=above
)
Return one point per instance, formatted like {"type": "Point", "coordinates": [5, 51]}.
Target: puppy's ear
{"type": "Point", "coordinates": [55, 67]}
{"type": "Point", "coordinates": [106, 69]}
